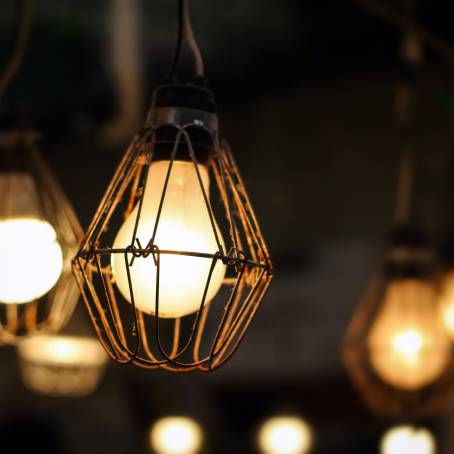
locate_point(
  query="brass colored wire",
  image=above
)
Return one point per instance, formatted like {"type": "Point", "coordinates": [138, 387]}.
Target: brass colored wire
{"type": "Point", "coordinates": [206, 339]}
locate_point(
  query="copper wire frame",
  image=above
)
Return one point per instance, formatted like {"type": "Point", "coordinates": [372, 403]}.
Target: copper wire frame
{"type": "Point", "coordinates": [246, 258]}
{"type": "Point", "coordinates": [51, 312]}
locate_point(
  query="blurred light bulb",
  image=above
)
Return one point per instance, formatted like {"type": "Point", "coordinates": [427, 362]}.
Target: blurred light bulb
{"type": "Point", "coordinates": [447, 302]}
{"type": "Point", "coordinates": [31, 258]}
{"type": "Point", "coordinates": [176, 435]}
{"type": "Point", "coordinates": [61, 365]}
{"type": "Point", "coordinates": [63, 350]}
{"type": "Point", "coordinates": [407, 440]}
{"type": "Point", "coordinates": [285, 435]}
{"type": "Point", "coordinates": [184, 225]}
{"type": "Point", "coordinates": [408, 345]}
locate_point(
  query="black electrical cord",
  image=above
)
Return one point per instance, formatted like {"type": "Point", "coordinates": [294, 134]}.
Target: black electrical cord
{"type": "Point", "coordinates": [191, 41]}
{"type": "Point", "coordinates": [178, 45]}
{"type": "Point", "coordinates": [411, 56]}
{"type": "Point", "coordinates": [22, 31]}
{"type": "Point", "coordinates": [186, 34]}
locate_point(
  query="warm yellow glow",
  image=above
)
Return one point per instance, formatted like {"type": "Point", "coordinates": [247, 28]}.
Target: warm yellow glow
{"type": "Point", "coordinates": [184, 226]}
{"type": "Point", "coordinates": [176, 435]}
{"type": "Point", "coordinates": [285, 435]}
{"type": "Point", "coordinates": [61, 365]}
{"type": "Point", "coordinates": [447, 302]}
{"type": "Point", "coordinates": [408, 345]}
{"type": "Point", "coordinates": [407, 439]}
{"type": "Point", "coordinates": [66, 350]}
{"type": "Point", "coordinates": [31, 259]}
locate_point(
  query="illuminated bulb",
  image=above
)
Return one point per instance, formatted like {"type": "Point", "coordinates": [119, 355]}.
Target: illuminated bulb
{"type": "Point", "coordinates": [31, 259]}
{"type": "Point", "coordinates": [447, 303]}
{"type": "Point", "coordinates": [61, 365]}
{"type": "Point", "coordinates": [176, 435]}
{"type": "Point", "coordinates": [407, 439]}
{"type": "Point", "coordinates": [408, 344]}
{"type": "Point", "coordinates": [184, 225]}
{"type": "Point", "coordinates": [67, 350]}
{"type": "Point", "coordinates": [285, 435]}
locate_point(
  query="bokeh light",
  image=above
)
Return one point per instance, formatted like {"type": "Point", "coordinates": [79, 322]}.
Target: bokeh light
{"type": "Point", "coordinates": [176, 435]}
{"type": "Point", "coordinates": [285, 435]}
{"type": "Point", "coordinates": [408, 439]}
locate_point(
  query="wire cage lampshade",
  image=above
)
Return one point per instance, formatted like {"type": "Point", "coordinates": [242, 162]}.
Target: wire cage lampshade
{"type": "Point", "coordinates": [39, 235]}
{"type": "Point", "coordinates": [61, 365]}
{"type": "Point", "coordinates": [176, 286]}
{"type": "Point", "coordinates": [396, 349]}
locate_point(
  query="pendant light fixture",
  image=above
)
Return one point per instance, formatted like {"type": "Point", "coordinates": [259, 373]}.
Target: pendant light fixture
{"type": "Point", "coordinates": [174, 266]}
{"type": "Point", "coordinates": [396, 349]}
{"type": "Point", "coordinates": [68, 363]}
{"type": "Point", "coordinates": [39, 231]}
{"type": "Point", "coordinates": [59, 365]}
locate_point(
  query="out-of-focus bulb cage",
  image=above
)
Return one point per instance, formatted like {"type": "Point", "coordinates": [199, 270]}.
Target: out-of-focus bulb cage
{"type": "Point", "coordinates": [59, 365]}
{"type": "Point", "coordinates": [51, 311]}
{"type": "Point", "coordinates": [397, 349]}
{"type": "Point", "coordinates": [206, 339]}
{"type": "Point", "coordinates": [409, 262]}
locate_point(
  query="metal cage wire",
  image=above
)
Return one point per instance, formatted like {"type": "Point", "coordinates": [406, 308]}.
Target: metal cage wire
{"type": "Point", "coordinates": [184, 343]}
{"type": "Point", "coordinates": [50, 312]}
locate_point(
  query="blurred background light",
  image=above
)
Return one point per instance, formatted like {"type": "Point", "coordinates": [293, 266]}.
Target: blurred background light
{"type": "Point", "coordinates": [176, 435]}
{"type": "Point", "coordinates": [61, 365]}
{"type": "Point", "coordinates": [285, 435]}
{"type": "Point", "coordinates": [408, 440]}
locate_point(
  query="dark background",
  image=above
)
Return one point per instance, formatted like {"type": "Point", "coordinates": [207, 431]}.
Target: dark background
{"type": "Point", "coordinates": [305, 92]}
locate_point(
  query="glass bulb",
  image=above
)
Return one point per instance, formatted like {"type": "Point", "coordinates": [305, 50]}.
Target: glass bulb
{"type": "Point", "coordinates": [31, 258]}
{"type": "Point", "coordinates": [407, 439]}
{"type": "Point", "coordinates": [408, 345]}
{"type": "Point", "coordinates": [184, 225]}
{"type": "Point", "coordinates": [285, 435]}
{"type": "Point", "coordinates": [447, 302]}
{"type": "Point", "coordinates": [176, 435]}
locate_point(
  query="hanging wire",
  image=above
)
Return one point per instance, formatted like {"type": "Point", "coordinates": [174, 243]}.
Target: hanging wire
{"type": "Point", "coordinates": [22, 32]}
{"type": "Point", "coordinates": [191, 42]}
{"type": "Point", "coordinates": [411, 55]}
{"type": "Point", "coordinates": [405, 187]}
{"type": "Point", "coordinates": [178, 44]}
{"type": "Point", "coordinates": [185, 33]}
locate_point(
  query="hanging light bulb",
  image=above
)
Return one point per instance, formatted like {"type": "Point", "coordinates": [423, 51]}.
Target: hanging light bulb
{"type": "Point", "coordinates": [39, 230]}
{"type": "Point", "coordinates": [39, 233]}
{"type": "Point", "coordinates": [174, 265]}
{"type": "Point", "coordinates": [285, 435]}
{"type": "Point", "coordinates": [407, 341]}
{"type": "Point", "coordinates": [24, 233]}
{"type": "Point", "coordinates": [408, 439]}
{"type": "Point", "coordinates": [176, 435]}
{"type": "Point", "coordinates": [184, 225]}
{"type": "Point", "coordinates": [396, 348]}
